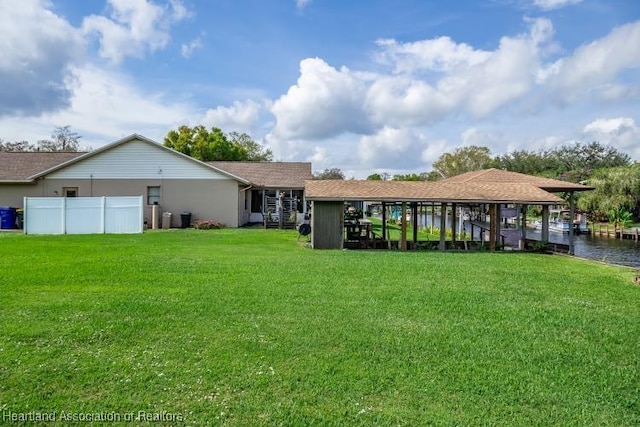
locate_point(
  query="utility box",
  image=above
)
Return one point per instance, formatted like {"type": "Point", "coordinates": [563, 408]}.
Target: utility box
{"type": "Point", "coordinates": [166, 220]}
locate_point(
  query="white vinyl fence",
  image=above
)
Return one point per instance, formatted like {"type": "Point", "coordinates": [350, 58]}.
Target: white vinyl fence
{"type": "Point", "coordinates": [83, 215]}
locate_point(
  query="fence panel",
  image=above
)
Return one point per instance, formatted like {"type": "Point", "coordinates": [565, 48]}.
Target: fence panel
{"type": "Point", "coordinates": [83, 215]}
{"type": "Point", "coordinates": [123, 215]}
{"type": "Point", "coordinates": [43, 215]}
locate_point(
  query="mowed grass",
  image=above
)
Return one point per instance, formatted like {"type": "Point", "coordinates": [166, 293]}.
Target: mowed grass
{"type": "Point", "coordinates": [249, 327]}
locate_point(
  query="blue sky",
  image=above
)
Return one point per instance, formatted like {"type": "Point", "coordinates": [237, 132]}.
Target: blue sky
{"type": "Point", "coordinates": [366, 86]}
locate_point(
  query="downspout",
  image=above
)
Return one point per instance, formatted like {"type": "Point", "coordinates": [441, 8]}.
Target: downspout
{"type": "Point", "coordinates": [242, 190]}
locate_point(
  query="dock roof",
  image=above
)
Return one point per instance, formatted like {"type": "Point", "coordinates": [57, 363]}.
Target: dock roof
{"type": "Point", "coordinates": [499, 176]}
{"type": "Point", "coordinates": [441, 191]}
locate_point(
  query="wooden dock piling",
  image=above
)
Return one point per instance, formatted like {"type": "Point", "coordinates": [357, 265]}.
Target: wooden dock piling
{"type": "Point", "coordinates": [616, 233]}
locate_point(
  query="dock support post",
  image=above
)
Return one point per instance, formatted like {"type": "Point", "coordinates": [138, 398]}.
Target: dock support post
{"type": "Point", "coordinates": [454, 223]}
{"type": "Point", "coordinates": [403, 227]}
{"type": "Point", "coordinates": [433, 216]}
{"type": "Point", "coordinates": [545, 223]}
{"type": "Point", "coordinates": [572, 212]}
{"type": "Point", "coordinates": [414, 222]}
{"type": "Point", "coordinates": [492, 227]}
{"type": "Point", "coordinates": [384, 221]}
{"type": "Point", "coordinates": [443, 225]}
{"type": "Point", "coordinates": [498, 238]}
{"type": "Point", "coordinates": [523, 229]}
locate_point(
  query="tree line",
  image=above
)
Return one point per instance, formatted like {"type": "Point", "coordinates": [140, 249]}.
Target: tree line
{"type": "Point", "coordinates": [613, 174]}
{"type": "Point", "coordinates": [574, 163]}
{"type": "Point", "coordinates": [197, 142]}
{"type": "Point", "coordinates": [62, 139]}
{"type": "Point", "coordinates": [214, 145]}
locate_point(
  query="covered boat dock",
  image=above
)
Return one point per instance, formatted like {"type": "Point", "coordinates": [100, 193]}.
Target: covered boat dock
{"type": "Point", "coordinates": [489, 190]}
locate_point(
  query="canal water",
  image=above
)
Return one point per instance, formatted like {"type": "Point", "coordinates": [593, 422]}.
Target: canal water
{"type": "Point", "coordinates": [604, 249]}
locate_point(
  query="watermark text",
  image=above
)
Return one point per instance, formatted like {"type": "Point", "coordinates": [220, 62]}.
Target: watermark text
{"type": "Point", "coordinates": [90, 417]}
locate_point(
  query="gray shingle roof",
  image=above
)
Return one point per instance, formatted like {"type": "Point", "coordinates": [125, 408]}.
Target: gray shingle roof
{"type": "Point", "coordinates": [21, 166]}
{"type": "Point", "coordinates": [497, 176]}
{"type": "Point", "coordinates": [269, 174]}
{"type": "Point", "coordinates": [441, 191]}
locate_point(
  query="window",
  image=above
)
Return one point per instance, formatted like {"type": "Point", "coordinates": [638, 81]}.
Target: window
{"type": "Point", "coordinates": [153, 195]}
{"type": "Point", "coordinates": [70, 191]}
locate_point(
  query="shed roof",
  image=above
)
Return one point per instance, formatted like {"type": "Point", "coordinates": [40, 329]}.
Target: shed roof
{"type": "Point", "coordinates": [23, 166]}
{"type": "Point", "coordinates": [269, 174]}
{"type": "Point", "coordinates": [441, 191]}
{"type": "Point", "coordinates": [499, 176]}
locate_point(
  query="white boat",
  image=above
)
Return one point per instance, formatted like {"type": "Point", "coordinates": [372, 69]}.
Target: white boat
{"type": "Point", "coordinates": [560, 222]}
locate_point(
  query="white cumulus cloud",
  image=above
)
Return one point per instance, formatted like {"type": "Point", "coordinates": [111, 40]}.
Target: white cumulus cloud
{"type": "Point", "coordinates": [392, 148]}
{"type": "Point", "coordinates": [187, 49]}
{"type": "Point", "coordinates": [475, 136]}
{"type": "Point", "coordinates": [134, 27]}
{"type": "Point", "coordinates": [597, 65]}
{"type": "Point", "coordinates": [461, 78]}
{"type": "Point", "coordinates": [554, 4]}
{"type": "Point", "coordinates": [109, 105]}
{"type": "Point", "coordinates": [440, 54]}
{"type": "Point", "coordinates": [38, 48]}
{"type": "Point", "coordinates": [239, 117]}
{"type": "Point", "coordinates": [620, 132]}
{"type": "Point", "coordinates": [325, 102]}
{"type": "Point", "coordinates": [301, 4]}
{"type": "Point", "coordinates": [404, 101]}
{"type": "Point", "coordinates": [434, 150]}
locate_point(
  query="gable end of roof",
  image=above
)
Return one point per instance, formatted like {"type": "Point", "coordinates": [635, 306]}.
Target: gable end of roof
{"type": "Point", "coordinates": [130, 138]}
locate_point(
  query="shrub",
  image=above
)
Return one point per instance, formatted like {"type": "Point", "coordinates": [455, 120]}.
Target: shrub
{"type": "Point", "coordinates": [207, 224]}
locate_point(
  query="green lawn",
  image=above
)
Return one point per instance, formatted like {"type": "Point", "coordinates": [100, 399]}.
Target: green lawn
{"type": "Point", "coordinates": [394, 231]}
{"type": "Point", "coordinates": [249, 327]}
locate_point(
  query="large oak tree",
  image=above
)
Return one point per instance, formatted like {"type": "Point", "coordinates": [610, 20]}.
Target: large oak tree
{"type": "Point", "coordinates": [214, 145]}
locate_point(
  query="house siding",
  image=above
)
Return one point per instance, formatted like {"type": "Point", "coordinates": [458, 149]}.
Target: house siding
{"type": "Point", "coordinates": [137, 160]}
{"type": "Point", "coordinates": [204, 198]}
{"type": "Point", "coordinates": [13, 194]}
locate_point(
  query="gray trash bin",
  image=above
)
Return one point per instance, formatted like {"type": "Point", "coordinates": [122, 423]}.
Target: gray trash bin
{"type": "Point", "coordinates": [166, 220]}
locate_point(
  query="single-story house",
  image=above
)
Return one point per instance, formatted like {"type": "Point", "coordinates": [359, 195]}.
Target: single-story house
{"type": "Point", "coordinates": [136, 165]}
